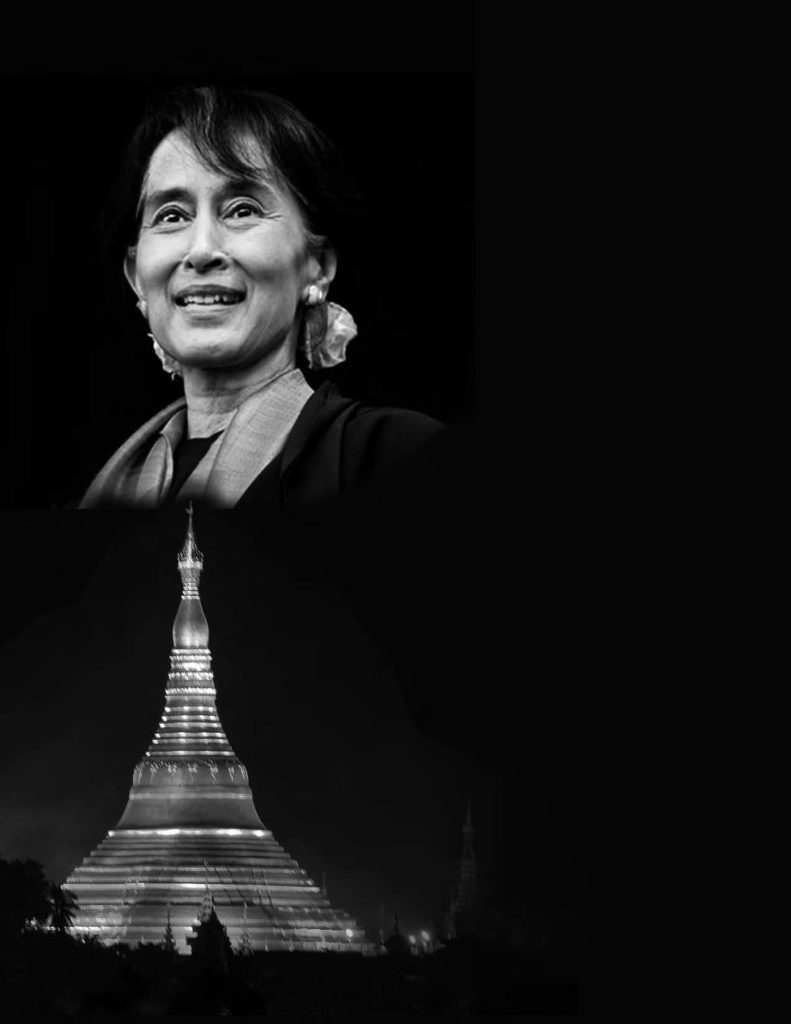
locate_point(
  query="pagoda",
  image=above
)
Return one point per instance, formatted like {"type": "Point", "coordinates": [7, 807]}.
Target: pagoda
{"type": "Point", "coordinates": [190, 831]}
{"type": "Point", "coordinates": [461, 916]}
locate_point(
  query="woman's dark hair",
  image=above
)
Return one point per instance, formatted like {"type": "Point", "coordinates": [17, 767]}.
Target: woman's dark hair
{"type": "Point", "coordinates": [217, 120]}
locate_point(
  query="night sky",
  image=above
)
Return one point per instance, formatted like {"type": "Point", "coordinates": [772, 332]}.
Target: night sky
{"type": "Point", "coordinates": [374, 669]}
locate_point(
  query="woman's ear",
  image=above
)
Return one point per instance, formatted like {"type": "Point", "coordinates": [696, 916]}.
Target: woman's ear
{"type": "Point", "coordinates": [130, 269]}
{"type": "Point", "coordinates": [328, 264]}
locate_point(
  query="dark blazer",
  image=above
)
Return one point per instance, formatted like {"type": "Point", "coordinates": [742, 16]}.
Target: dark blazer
{"type": "Point", "coordinates": [338, 445]}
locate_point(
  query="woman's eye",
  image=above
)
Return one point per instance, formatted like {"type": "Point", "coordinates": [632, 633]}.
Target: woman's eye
{"type": "Point", "coordinates": [171, 215]}
{"type": "Point", "coordinates": [243, 210]}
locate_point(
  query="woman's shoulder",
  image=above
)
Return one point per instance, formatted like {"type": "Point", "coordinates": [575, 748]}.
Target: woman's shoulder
{"type": "Point", "coordinates": [360, 418]}
{"type": "Point", "coordinates": [392, 420]}
{"type": "Point", "coordinates": [388, 429]}
{"type": "Point", "coordinates": [383, 443]}
{"type": "Point", "coordinates": [354, 442]}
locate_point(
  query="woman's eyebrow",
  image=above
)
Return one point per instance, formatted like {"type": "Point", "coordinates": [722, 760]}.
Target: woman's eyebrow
{"type": "Point", "coordinates": [234, 185]}
{"type": "Point", "coordinates": [164, 195]}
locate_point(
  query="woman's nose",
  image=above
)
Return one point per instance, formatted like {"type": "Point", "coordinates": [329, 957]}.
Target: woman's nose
{"type": "Point", "coordinates": [205, 251]}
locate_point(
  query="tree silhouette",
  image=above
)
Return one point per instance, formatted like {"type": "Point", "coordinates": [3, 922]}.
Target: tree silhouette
{"type": "Point", "coordinates": [245, 947]}
{"type": "Point", "coordinates": [211, 947]}
{"type": "Point", "coordinates": [63, 907]}
{"type": "Point", "coordinates": [169, 942]}
{"type": "Point", "coordinates": [398, 944]}
{"type": "Point", "coordinates": [24, 896]}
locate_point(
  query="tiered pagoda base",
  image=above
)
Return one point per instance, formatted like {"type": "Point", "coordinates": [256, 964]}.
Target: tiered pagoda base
{"type": "Point", "coordinates": [136, 877]}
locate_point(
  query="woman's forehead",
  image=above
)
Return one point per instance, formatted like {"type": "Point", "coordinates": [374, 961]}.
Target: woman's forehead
{"type": "Point", "coordinates": [176, 164]}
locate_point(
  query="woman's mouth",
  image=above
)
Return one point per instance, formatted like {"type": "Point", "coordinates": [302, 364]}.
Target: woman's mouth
{"type": "Point", "coordinates": [205, 297]}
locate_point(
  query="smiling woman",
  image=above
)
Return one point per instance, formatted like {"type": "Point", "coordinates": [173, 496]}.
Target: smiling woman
{"type": "Point", "coordinates": [230, 211]}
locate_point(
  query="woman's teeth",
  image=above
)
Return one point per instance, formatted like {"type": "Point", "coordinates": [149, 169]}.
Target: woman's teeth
{"type": "Point", "coordinates": [209, 300]}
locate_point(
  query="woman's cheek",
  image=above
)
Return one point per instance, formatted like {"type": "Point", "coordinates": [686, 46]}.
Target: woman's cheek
{"type": "Point", "coordinates": [155, 264]}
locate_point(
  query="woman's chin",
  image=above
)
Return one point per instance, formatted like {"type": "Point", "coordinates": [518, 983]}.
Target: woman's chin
{"type": "Point", "coordinates": [208, 357]}
{"type": "Point", "coordinates": [224, 355]}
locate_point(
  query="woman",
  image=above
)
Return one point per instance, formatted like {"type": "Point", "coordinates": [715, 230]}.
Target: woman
{"type": "Point", "coordinates": [233, 202]}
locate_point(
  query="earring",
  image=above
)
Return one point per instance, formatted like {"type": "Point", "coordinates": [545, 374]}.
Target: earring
{"type": "Point", "coordinates": [142, 305]}
{"type": "Point", "coordinates": [314, 296]}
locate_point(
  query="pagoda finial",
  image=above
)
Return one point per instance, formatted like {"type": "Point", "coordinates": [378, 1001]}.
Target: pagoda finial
{"type": "Point", "coordinates": [190, 559]}
{"type": "Point", "coordinates": [190, 628]}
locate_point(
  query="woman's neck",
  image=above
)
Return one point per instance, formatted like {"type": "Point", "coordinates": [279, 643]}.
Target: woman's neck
{"type": "Point", "coordinates": [214, 396]}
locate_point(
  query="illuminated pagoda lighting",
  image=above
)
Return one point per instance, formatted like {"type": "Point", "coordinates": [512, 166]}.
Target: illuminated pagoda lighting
{"type": "Point", "coordinates": [190, 836]}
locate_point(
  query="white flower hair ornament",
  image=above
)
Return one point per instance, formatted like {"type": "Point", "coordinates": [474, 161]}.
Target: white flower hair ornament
{"type": "Point", "coordinates": [328, 329]}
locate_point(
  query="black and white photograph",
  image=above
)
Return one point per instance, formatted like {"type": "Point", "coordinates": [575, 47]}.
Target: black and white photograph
{"type": "Point", "coordinates": [289, 728]}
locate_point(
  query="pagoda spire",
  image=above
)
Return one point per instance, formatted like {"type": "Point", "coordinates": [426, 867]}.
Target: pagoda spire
{"type": "Point", "coordinates": [466, 896]}
{"type": "Point", "coordinates": [461, 915]}
{"type": "Point", "coordinates": [190, 751]}
{"type": "Point", "coordinates": [190, 628]}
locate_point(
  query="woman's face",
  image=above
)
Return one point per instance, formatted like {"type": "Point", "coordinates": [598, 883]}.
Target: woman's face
{"type": "Point", "coordinates": [221, 264]}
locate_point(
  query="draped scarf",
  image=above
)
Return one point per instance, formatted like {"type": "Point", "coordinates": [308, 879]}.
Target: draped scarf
{"type": "Point", "coordinates": [140, 473]}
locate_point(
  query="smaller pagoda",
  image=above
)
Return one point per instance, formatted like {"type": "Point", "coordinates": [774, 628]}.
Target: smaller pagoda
{"type": "Point", "coordinates": [462, 913]}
